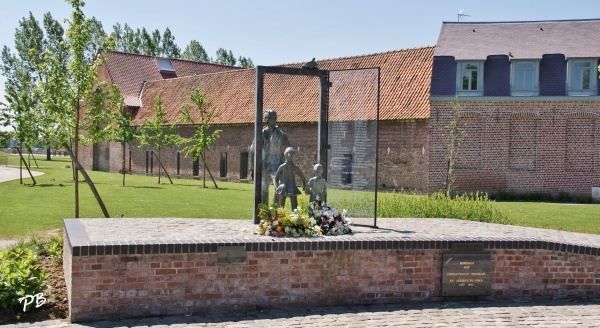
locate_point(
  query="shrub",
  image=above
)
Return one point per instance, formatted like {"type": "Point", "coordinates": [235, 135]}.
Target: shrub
{"type": "Point", "coordinates": [472, 207]}
{"type": "Point", "coordinates": [20, 276]}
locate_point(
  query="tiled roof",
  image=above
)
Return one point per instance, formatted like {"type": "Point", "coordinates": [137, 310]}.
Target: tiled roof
{"type": "Point", "coordinates": [129, 71]}
{"type": "Point", "coordinates": [522, 40]}
{"type": "Point", "coordinates": [404, 90]}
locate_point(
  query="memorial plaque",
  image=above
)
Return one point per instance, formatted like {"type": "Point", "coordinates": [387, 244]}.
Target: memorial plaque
{"type": "Point", "coordinates": [231, 254]}
{"type": "Point", "coordinates": [466, 275]}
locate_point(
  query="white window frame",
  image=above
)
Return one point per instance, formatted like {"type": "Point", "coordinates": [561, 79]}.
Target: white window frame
{"type": "Point", "coordinates": [574, 87]}
{"type": "Point", "coordinates": [462, 68]}
{"type": "Point", "coordinates": [533, 90]}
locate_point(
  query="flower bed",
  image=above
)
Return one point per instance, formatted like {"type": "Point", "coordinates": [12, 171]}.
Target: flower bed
{"type": "Point", "coordinates": [320, 220]}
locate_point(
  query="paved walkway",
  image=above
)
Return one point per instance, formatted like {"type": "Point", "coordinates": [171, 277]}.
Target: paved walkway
{"type": "Point", "coordinates": [11, 173]}
{"type": "Point", "coordinates": [557, 314]}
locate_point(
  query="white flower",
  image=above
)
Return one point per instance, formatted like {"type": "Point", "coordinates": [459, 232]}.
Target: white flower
{"type": "Point", "coordinates": [275, 223]}
{"type": "Point", "coordinates": [265, 225]}
{"type": "Point", "coordinates": [287, 229]}
{"type": "Point", "coordinates": [267, 233]}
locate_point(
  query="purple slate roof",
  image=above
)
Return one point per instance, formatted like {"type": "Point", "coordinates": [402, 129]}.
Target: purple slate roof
{"type": "Point", "coordinates": [523, 40]}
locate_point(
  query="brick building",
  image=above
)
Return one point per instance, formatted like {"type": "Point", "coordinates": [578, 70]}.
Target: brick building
{"type": "Point", "coordinates": [524, 93]}
{"type": "Point", "coordinates": [404, 78]}
{"type": "Point", "coordinates": [526, 97]}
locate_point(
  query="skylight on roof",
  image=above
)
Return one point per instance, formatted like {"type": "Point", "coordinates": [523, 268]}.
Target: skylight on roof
{"type": "Point", "coordinates": [165, 65]}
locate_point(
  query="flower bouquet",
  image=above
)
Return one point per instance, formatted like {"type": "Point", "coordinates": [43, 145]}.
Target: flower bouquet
{"type": "Point", "coordinates": [323, 220]}
{"type": "Point", "coordinates": [330, 219]}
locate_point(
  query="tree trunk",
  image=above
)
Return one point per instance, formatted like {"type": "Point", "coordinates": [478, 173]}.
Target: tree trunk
{"type": "Point", "coordinates": [28, 170]}
{"type": "Point", "coordinates": [48, 153]}
{"type": "Point", "coordinates": [161, 166]}
{"type": "Point", "coordinates": [88, 180]}
{"type": "Point", "coordinates": [207, 168]}
{"type": "Point", "coordinates": [33, 156]}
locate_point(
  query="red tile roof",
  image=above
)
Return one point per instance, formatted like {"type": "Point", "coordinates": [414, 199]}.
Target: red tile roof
{"type": "Point", "coordinates": [129, 71]}
{"type": "Point", "coordinates": [523, 40]}
{"type": "Point", "coordinates": [404, 90]}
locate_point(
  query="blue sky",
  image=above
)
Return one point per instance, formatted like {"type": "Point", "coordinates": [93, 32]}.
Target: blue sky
{"type": "Point", "coordinates": [275, 32]}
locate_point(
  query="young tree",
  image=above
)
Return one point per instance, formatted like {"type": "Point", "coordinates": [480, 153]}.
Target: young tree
{"type": "Point", "coordinates": [20, 87]}
{"type": "Point", "coordinates": [123, 133]}
{"type": "Point", "coordinates": [195, 51]}
{"type": "Point", "coordinates": [68, 93]}
{"type": "Point", "coordinates": [201, 119]}
{"type": "Point", "coordinates": [158, 133]}
{"type": "Point", "coordinates": [455, 135]}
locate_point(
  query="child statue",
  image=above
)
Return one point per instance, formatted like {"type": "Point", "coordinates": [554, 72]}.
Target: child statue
{"type": "Point", "coordinates": [317, 186]}
{"type": "Point", "coordinates": [285, 180]}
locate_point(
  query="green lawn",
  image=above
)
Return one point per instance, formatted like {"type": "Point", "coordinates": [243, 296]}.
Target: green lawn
{"type": "Point", "coordinates": [27, 209]}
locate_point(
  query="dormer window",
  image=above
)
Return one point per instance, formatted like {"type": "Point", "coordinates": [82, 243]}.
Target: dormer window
{"type": "Point", "coordinates": [469, 80]}
{"type": "Point", "coordinates": [524, 78]}
{"type": "Point", "coordinates": [165, 65]}
{"type": "Point", "coordinates": [581, 77]}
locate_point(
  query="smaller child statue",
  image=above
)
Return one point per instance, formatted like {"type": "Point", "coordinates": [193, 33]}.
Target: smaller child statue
{"type": "Point", "coordinates": [317, 186]}
{"type": "Point", "coordinates": [285, 180]}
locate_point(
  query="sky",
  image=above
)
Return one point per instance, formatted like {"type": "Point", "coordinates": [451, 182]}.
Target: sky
{"type": "Point", "coordinates": [273, 32]}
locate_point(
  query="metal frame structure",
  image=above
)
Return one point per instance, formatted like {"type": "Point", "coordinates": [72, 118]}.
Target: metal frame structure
{"type": "Point", "coordinates": [323, 76]}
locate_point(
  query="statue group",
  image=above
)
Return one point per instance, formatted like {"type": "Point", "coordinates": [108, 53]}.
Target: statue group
{"type": "Point", "coordinates": [279, 168]}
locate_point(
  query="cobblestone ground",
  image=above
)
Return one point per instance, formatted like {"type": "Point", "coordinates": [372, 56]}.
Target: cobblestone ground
{"type": "Point", "coordinates": [554, 314]}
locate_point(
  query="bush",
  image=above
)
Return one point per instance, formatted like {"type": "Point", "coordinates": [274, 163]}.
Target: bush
{"type": "Point", "coordinates": [20, 276]}
{"type": "Point", "coordinates": [472, 207]}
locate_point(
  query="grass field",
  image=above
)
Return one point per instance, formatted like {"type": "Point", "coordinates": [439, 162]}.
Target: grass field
{"type": "Point", "coordinates": [29, 209]}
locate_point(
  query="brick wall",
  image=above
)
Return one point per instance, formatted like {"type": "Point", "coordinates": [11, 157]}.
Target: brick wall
{"type": "Point", "coordinates": [519, 146]}
{"type": "Point", "coordinates": [404, 166]}
{"type": "Point", "coordinates": [189, 279]}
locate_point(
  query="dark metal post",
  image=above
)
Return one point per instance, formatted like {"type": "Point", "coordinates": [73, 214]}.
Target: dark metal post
{"type": "Point", "coordinates": [323, 123]}
{"type": "Point", "coordinates": [377, 147]}
{"type": "Point", "coordinates": [258, 142]}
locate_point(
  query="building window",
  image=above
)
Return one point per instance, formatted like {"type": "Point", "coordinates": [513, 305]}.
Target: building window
{"type": "Point", "coordinates": [165, 65]}
{"type": "Point", "coordinates": [244, 165]}
{"type": "Point", "coordinates": [195, 165]}
{"type": "Point", "coordinates": [525, 78]}
{"type": "Point", "coordinates": [347, 169]}
{"type": "Point", "coordinates": [581, 77]}
{"type": "Point", "coordinates": [147, 161]}
{"type": "Point", "coordinates": [223, 165]}
{"type": "Point", "coordinates": [470, 78]}
{"type": "Point", "coordinates": [178, 162]}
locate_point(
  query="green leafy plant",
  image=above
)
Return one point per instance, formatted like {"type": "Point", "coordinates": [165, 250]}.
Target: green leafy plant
{"type": "Point", "coordinates": [20, 276]}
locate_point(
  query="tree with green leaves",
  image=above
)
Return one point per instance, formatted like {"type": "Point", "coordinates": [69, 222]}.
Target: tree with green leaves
{"type": "Point", "coordinates": [123, 132]}
{"type": "Point", "coordinates": [225, 57]}
{"type": "Point", "coordinates": [158, 133]}
{"type": "Point", "coordinates": [69, 93]}
{"type": "Point", "coordinates": [168, 47]}
{"type": "Point", "coordinates": [245, 62]}
{"type": "Point", "coordinates": [21, 82]}
{"type": "Point", "coordinates": [195, 51]}
{"type": "Point", "coordinates": [199, 114]}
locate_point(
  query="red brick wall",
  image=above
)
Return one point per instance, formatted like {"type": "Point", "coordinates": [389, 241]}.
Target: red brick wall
{"type": "Point", "coordinates": [519, 146]}
{"type": "Point", "coordinates": [404, 166]}
{"type": "Point", "coordinates": [113, 286]}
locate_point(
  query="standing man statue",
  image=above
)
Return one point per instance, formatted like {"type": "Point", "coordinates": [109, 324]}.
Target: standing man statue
{"type": "Point", "coordinates": [275, 142]}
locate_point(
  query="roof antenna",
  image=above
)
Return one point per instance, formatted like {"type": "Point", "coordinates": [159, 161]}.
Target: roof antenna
{"type": "Point", "coordinates": [461, 14]}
